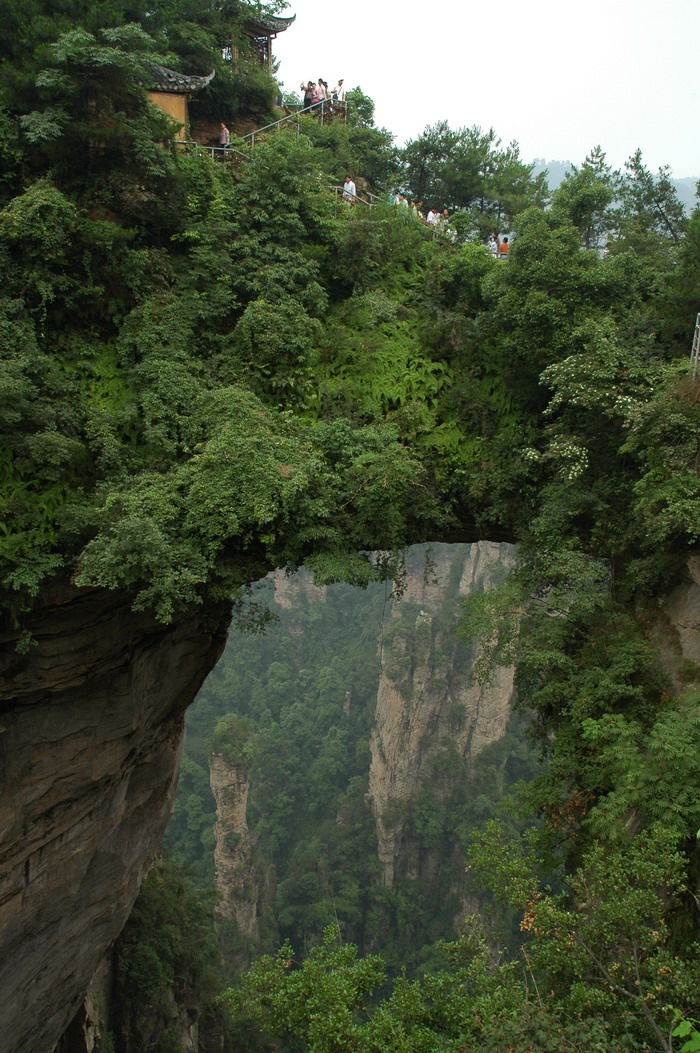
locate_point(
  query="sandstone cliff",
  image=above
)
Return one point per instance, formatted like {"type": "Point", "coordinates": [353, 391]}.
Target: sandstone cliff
{"type": "Point", "coordinates": [428, 708]}
{"type": "Point", "coordinates": [237, 879]}
{"type": "Point", "coordinates": [289, 588]}
{"type": "Point", "coordinates": [674, 629]}
{"type": "Point", "coordinates": [91, 726]}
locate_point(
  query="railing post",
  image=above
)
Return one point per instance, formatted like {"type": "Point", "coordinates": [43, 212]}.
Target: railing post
{"type": "Point", "coordinates": [695, 349]}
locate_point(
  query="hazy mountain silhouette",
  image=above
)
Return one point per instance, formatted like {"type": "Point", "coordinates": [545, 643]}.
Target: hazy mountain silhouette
{"type": "Point", "coordinates": [556, 171]}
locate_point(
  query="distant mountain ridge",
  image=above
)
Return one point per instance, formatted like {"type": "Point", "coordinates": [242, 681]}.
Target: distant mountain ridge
{"type": "Point", "coordinates": [686, 188]}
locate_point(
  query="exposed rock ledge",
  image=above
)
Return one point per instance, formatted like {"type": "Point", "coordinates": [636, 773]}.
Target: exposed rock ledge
{"type": "Point", "coordinates": [90, 734]}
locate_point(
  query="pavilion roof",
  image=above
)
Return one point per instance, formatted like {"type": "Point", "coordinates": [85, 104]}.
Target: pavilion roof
{"type": "Point", "coordinates": [164, 79]}
{"type": "Point", "coordinates": [267, 25]}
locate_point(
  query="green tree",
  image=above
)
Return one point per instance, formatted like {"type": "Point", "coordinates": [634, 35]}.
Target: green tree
{"type": "Point", "coordinates": [650, 204]}
{"type": "Point", "coordinates": [467, 169]}
{"type": "Point", "coordinates": [597, 966]}
{"type": "Point", "coordinates": [585, 197]}
{"type": "Point", "coordinates": [360, 108]}
{"type": "Point", "coordinates": [606, 946]}
{"type": "Point", "coordinates": [165, 960]}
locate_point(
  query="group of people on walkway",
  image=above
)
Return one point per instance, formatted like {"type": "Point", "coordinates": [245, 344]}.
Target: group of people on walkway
{"type": "Point", "coordinates": [434, 218]}
{"type": "Point", "coordinates": [317, 92]}
{"type": "Point", "coordinates": [499, 248]}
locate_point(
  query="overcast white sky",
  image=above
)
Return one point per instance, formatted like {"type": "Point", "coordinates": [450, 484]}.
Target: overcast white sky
{"type": "Point", "coordinates": [559, 77]}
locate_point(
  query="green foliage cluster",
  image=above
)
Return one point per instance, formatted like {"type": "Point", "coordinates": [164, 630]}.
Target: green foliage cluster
{"type": "Point", "coordinates": [168, 320]}
{"type": "Point", "coordinates": [294, 708]}
{"type": "Point", "coordinates": [467, 169]}
{"type": "Point", "coordinates": [204, 375]}
{"type": "Point", "coordinates": [164, 963]}
{"type": "Point", "coordinates": [162, 322]}
{"type": "Point", "coordinates": [355, 146]}
{"type": "Point", "coordinates": [602, 976]}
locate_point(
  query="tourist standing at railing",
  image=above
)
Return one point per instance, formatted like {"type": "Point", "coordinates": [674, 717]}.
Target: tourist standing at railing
{"type": "Point", "coordinates": [224, 136]}
{"type": "Point", "coordinates": [493, 245]}
{"type": "Point", "coordinates": [349, 190]}
{"type": "Point", "coordinates": [324, 96]}
{"type": "Point", "coordinates": [432, 217]}
{"type": "Point", "coordinates": [308, 94]}
{"type": "Point", "coordinates": [338, 94]}
{"type": "Point", "coordinates": [503, 249]}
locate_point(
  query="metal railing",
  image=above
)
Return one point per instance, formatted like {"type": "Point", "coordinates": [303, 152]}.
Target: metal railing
{"type": "Point", "coordinates": [695, 349]}
{"type": "Point", "coordinates": [324, 108]}
{"type": "Point", "coordinates": [339, 191]}
{"type": "Point", "coordinates": [217, 153]}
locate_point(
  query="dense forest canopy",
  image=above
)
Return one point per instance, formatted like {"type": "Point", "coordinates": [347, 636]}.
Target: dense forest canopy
{"type": "Point", "coordinates": [206, 373]}
{"type": "Point", "coordinates": [292, 712]}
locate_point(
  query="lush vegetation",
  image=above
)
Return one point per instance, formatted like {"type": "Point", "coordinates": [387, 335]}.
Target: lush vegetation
{"type": "Point", "coordinates": [164, 961]}
{"type": "Point", "coordinates": [164, 428]}
{"type": "Point", "coordinates": [205, 374]}
{"type": "Point", "coordinates": [294, 708]}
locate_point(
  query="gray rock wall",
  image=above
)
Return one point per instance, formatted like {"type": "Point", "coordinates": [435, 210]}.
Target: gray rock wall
{"type": "Point", "coordinates": [90, 734]}
{"type": "Point", "coordinates": [426, 701]}
{"type": "Point", "coordinates": [235, 875]}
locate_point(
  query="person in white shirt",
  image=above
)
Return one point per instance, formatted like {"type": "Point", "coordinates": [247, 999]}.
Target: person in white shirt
{"type": "Point", "coordinates": [339, 92]}
{"type": "Point", "coordinates": [432, 217]}
{"type": "Point", "coordinates": [349, 190]}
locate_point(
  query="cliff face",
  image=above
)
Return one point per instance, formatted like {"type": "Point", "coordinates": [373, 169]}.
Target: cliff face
{"type": "Point", "coordinates": [91, 727]}
{"type": "Point", "coordinates": [428, 709]}
{"type": "Point", "coordinates": [90, 731]}
{"type": "Point", "coordinates": [235, 877]}
{"type": "Point", "coordinates": [289, 588]}
{"type": "Point", "coordinates": [674, 630]}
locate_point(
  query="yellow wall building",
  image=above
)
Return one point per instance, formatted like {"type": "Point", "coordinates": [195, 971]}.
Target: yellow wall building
{"type": "Point", "coordinates": [170, 92]}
